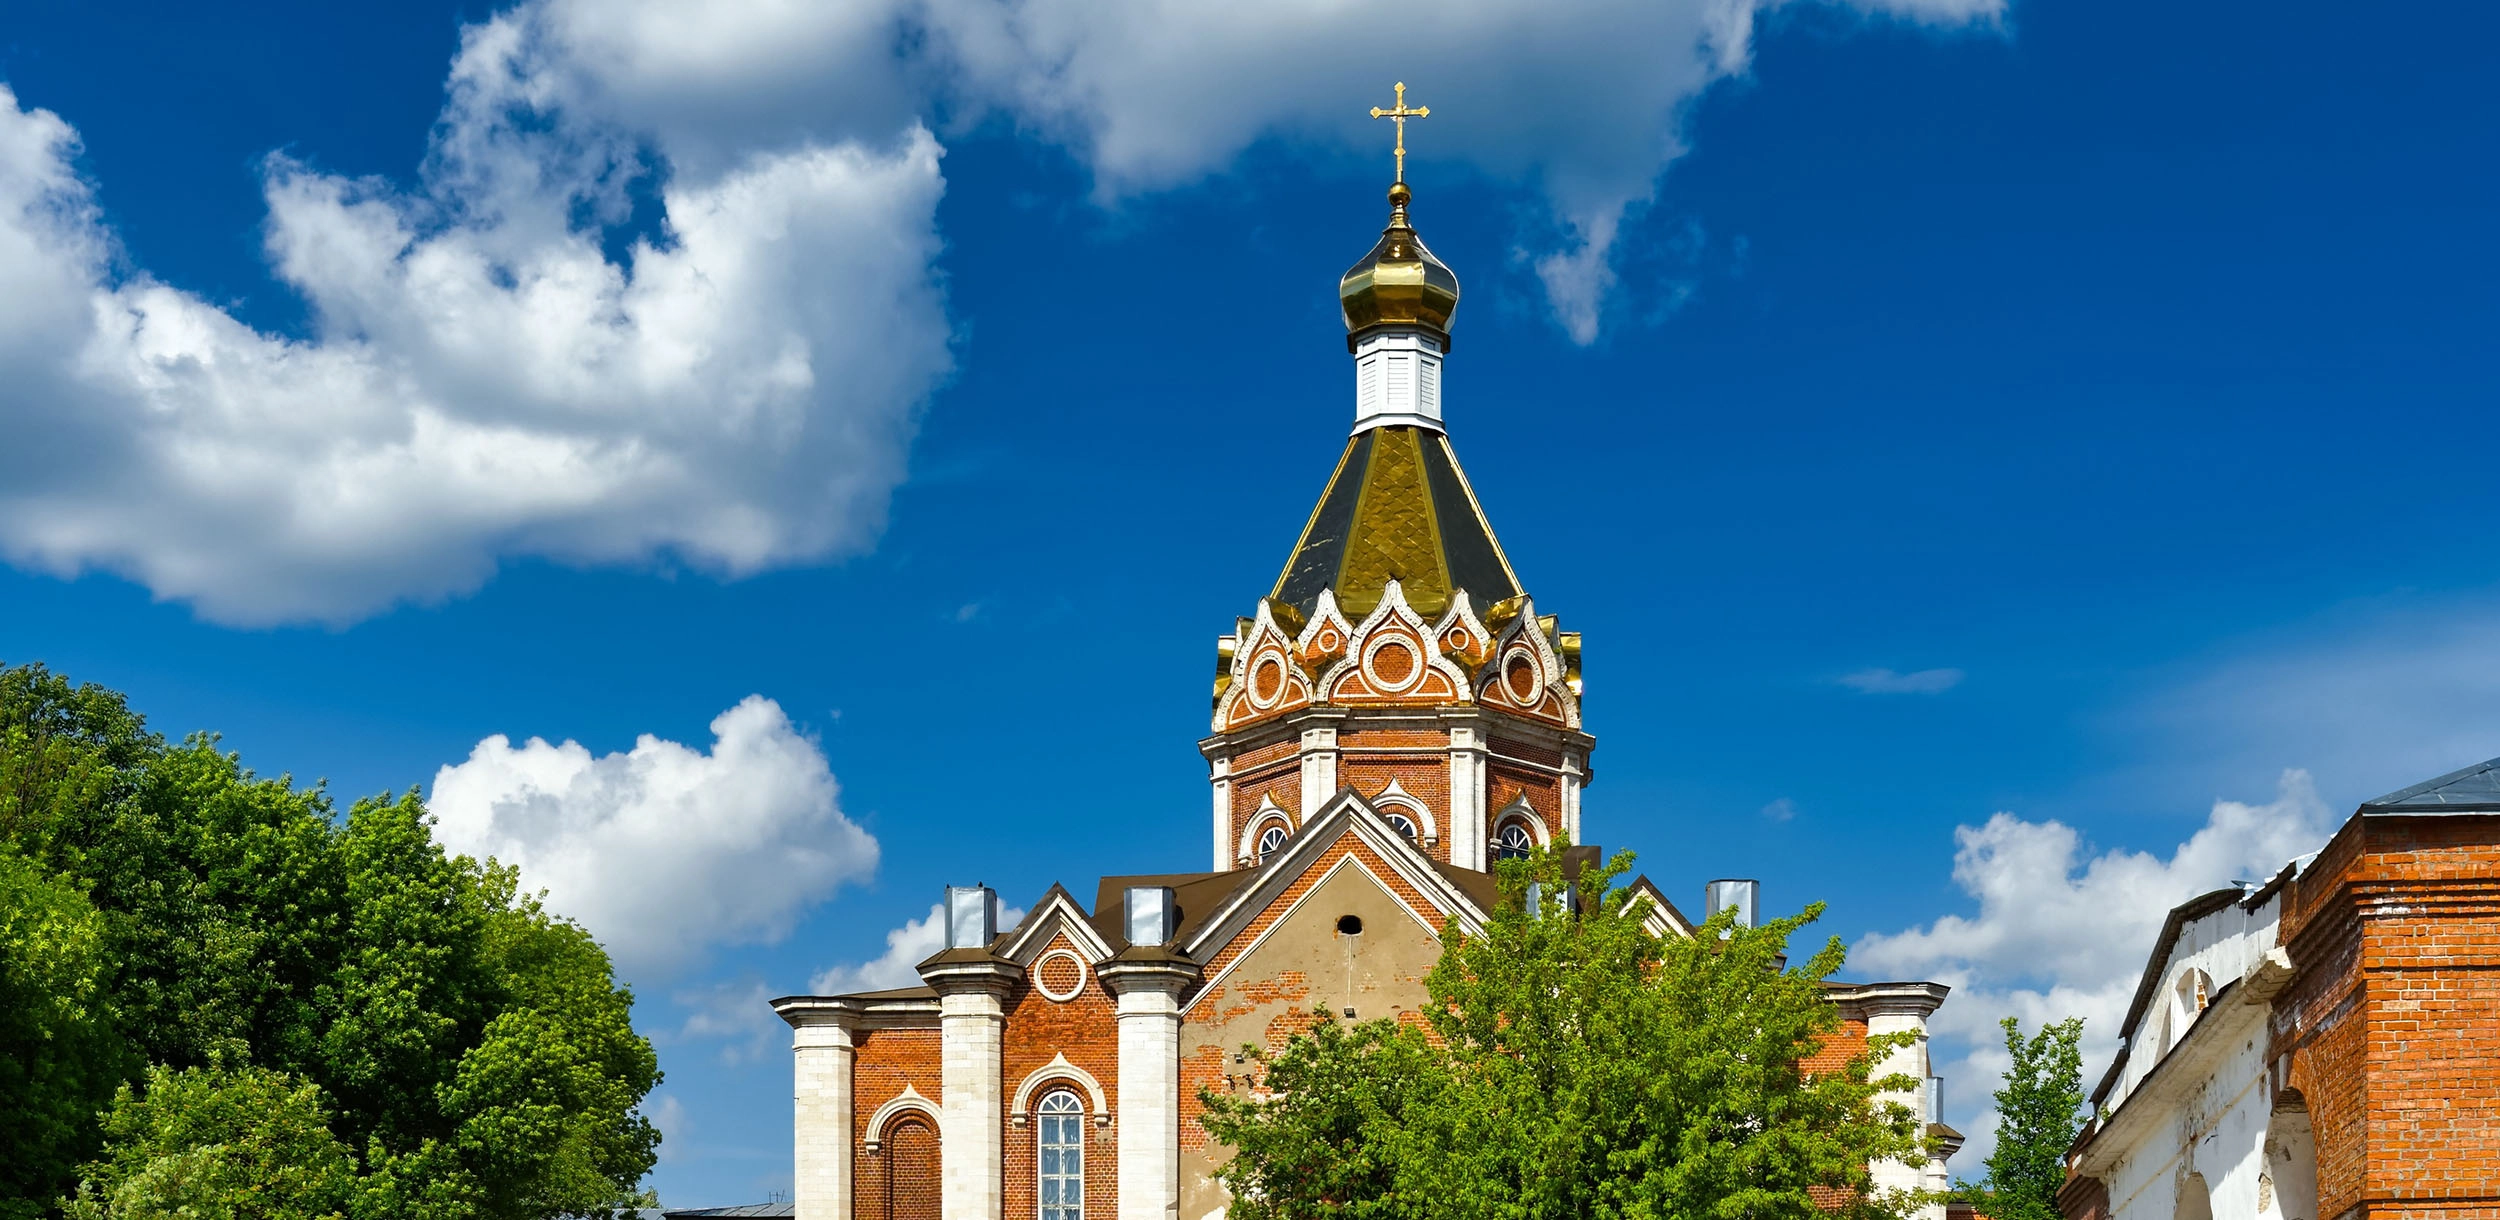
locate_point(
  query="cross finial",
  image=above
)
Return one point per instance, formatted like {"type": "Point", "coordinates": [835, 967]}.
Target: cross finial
{"type": "Point", "coordinates": [1400, 114]}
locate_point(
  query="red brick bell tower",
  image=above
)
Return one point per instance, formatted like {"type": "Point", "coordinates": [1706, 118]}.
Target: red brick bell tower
{"type": "Point", "coordinates": [1397, 654]}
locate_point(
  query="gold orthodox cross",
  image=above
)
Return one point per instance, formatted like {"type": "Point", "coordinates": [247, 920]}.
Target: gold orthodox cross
{"type": "Point", "coordinates": [1400, 115]}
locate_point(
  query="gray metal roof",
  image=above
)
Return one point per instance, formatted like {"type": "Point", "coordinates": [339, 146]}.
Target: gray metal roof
{"type": "Point", "coordinates": [743, 1209]}
{"type": "Point", "coordinates": [2475, 788]}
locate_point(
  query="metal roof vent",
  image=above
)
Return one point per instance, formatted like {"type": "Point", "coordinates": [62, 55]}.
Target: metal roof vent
{"type": "Point", "coordinates": [1151, 915]}
{"type": "Point", "coordinates": [1744, 895]}
{"type": "Point", "coordinates": [971, 916]}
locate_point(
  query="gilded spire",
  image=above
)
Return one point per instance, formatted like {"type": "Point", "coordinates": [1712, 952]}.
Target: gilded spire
{"type": "Point", "coordinates": [1399, 283]}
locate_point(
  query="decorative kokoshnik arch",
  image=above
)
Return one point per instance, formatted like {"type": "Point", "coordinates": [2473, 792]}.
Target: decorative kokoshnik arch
{"type": "Point", "coordinates": [908, 1101]}
{"type": "Point", "coordinates": [1059, 1069]}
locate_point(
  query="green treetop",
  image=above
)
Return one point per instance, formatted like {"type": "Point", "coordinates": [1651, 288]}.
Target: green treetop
{"type": "Point", "coordinates": [2038, 1113]}
{"type": "Point", "coordinates": [331, 979]}
{"type": "Point", "coordinates": [1569, 1066]}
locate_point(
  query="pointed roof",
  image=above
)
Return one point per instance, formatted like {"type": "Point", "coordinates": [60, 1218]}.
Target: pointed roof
{"type": "Point", "coordinates": [2471, 790]}
{"type": "Point", "coordinates": [1398, 507]}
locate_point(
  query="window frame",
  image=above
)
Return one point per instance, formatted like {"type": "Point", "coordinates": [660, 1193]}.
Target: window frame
{"type": "Point", "coordinates": [1059, 1111]}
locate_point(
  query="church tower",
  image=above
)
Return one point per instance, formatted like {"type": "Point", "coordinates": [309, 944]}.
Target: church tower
{"type": "Point", "coordinates": [1398, 655]}
{"type": "Point", "coordinates": [1392, 718]}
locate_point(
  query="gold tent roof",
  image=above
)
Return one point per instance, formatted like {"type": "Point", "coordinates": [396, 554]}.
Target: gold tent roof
{"type": "Point", "coordinates": [1398, 507]}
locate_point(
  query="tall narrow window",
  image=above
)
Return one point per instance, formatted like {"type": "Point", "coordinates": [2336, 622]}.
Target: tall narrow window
{"type": "Point", "coordinates": [1062, 1123]}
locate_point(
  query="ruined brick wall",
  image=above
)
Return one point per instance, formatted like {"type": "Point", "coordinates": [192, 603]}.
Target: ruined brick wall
{"type": "Point", "coordinates": [1263, 985]}
{"type": "Point", "coordinates": [2391, 1032]}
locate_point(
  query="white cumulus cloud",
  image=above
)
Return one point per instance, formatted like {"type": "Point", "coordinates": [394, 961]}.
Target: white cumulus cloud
{"type": "Point", "coordinates": [664, 850]}
{"type": "Point", "coordinates": [2062, 933]}
{"type": "Point", "coordinates": [496, 367]}
{"type": "Point", "coordinates": [482, 381]}
{"type": "Point", "coordinates": [1156, 93]}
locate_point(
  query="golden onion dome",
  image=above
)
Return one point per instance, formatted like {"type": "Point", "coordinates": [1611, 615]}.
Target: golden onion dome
{"type": "Point", "coordinates": [1399, 283]}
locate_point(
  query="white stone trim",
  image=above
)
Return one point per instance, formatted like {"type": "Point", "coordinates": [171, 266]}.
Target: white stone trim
{"type": "Point", "coordinates": [1149, 1139]}
{"type": "Point", "coordinates": [1318, 835]}
{"type": "Point", "coordinates": [1396, 797]}
{"type": "Point", "coordinates": [1249, 848]}
{"type": "Point", "coordinates": [1057, 912]}
{"type": "Point", "coordinates": [1518, 808]}
{"type": "Point", "coordinates": [972, 1157]}
{"type": "Point", "coordinates": [1060, 1069]}
{"type": "Point", "coordinates": [910, 1099]}
{"type": "Point", "coordinates": [1349, 860]}
{"type": "Point", "coordinates": [1057, 997]}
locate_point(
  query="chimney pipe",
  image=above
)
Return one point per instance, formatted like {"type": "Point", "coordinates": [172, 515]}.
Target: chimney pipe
{"type": "Point", "coordinates": [971, 916]}
{"type": "Point", "coordinates": [1743, 894]}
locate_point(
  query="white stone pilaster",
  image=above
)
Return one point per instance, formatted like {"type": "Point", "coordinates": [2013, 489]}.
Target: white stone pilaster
{"type": "Point", "coordinates": [1467, 795]}
{"type": "Point", "coordinates": [1910, 1061]}
{"type": "Point", "coordinates": [972, 1025]}
{"type": "Point", "coordinates": [1319, 766]}
{"type": "Point", "coordinates": [1221, 778]}
{"type": "Point", "coordinates": [1150, 1084]}
{"type": "Point", "coordinates": [1572, 778]}
{"type": "Point", "coordinates": [821, 1109]}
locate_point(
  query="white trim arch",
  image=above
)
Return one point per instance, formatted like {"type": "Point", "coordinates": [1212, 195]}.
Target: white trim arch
{"type": "Point", "coordinates": [1268, 811]}
{"type": "Point", "coordinates": [1060, 1069]}
{"type": "Point", "coordinates": [1396, 798]}
{"type": "Point", "coordinates": [1518, 810]}
{"type": "Point", "coordinates": [907, 1100]}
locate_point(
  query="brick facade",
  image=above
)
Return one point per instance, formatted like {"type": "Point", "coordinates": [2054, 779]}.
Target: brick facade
{"type": "Point", "coordinates": [2390, 1035]}
{"type": "Point", "coordinates": [1040, 1031]}
{"type": "Point", "coordinates": [2350, 1070]}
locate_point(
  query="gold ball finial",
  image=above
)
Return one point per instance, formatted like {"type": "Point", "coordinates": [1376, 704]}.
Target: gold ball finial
{"type": "Point", "coordinates": [1398, 195]}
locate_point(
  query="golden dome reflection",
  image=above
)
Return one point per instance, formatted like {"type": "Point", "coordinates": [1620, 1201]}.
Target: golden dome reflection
{"type": "Point", "coordinates": [1399, 283]}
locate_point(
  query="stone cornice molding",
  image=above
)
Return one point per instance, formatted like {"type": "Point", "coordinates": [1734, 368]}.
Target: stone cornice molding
{"type": "Point", "coordinates": [1147, 972]}
{"type": "Point", "coordinates": [973, 971]}
{"type": "Point", "coordinates": [1888, 999]}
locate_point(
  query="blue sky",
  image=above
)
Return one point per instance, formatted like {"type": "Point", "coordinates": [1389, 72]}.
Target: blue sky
{"type": "Point", "coordinates": [2069, 412]}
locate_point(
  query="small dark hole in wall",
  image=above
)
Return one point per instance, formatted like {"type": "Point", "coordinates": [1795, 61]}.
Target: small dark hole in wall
{"type": "Point", "coordinates": [1349, 925]}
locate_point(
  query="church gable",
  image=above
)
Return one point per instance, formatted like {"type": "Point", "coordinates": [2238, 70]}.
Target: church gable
{"type": "Point", "coordinates": [1348, 833]}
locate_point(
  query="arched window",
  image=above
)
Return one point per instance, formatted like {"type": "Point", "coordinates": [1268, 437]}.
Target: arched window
{"type": "Point", "coordinates": [1514, 842]}
{"type": "Point", "coordinates": [1404, 825]}
{"type": "Point", "coordinates": [1062, 1123]}
{"type": "Point", "coordinates": [1269, 840]}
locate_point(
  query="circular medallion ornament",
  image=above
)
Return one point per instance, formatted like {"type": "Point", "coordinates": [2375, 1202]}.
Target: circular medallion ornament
{"type": "Point", "coordinates": [1059, 976]}
{"type": "Point", "coordinates": [1391, 663]}
{"type": "Point", "coordinates": [1519, 676]}
{"type": "Point", "coordinates": [1267, 680]}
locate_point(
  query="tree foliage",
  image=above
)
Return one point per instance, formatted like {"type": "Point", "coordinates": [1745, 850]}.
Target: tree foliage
{"type": "Point", "coordinates": [2039, 1110]}
{"type": "Point", "coordinates": [1571, 1066]}
{"type": "Point", "coordinates": [470, 1055]}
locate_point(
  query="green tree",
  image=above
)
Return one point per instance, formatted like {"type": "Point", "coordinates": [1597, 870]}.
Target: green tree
{"type": "Point", "coordinates": [2038, 1113]}
{"type": "Point", "coordinates": [1572, 1066]}
{"type": "Point", "coordinates": [218, 1144]}
{"type": "Point", "coordinates": [471, 1052]}
{"type": "Point", "coordinates": [59, 1057]}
